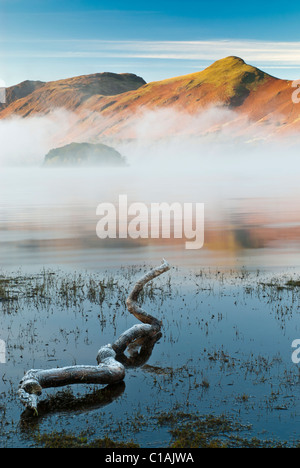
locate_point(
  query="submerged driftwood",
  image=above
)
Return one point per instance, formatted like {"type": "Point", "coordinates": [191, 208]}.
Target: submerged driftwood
{"type": "Point", "coordinates": [110, 358]}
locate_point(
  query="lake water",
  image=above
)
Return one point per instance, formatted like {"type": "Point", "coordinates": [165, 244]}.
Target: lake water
{"type": "Point", "coordinates": [48, 217]}
{"type": "Point", "coordinates": [227, 327]}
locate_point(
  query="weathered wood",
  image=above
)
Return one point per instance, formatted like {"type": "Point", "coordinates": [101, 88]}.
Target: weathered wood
{"type": "Point", "coordinates": [110, 369]}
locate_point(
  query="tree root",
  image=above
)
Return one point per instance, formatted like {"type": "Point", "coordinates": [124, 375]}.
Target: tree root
{"type": "Point", "coordinates": [111, 358]}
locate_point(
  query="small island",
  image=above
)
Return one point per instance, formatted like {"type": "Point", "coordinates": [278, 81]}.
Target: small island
{"type": "Point", "coordinates": [84, 154]}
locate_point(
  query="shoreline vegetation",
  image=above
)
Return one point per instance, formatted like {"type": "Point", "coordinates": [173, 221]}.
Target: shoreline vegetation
{"type": "Point", "coordinates": [187, 431]}
{"type": "Point", "coordinates": [182, 425]}
{"type": "Point", "coordinates": [84, 155]}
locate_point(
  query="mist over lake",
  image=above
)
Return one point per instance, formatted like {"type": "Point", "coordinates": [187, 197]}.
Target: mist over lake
{"type": "Point", "coordinates": [251, 211]}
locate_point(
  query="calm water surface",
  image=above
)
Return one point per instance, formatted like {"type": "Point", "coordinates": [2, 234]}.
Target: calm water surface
{"type": "Point", "coordinates": [49, 217]}
{"type": "Point", "coordinates": [224, 324]}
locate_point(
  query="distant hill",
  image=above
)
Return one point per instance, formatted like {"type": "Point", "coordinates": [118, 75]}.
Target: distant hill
{"type": "Point", "coordinates": [84, 154]}
{"type": "Point", "coordinates": [106, 105]}
{"type": "Point", "coordinates": [14, 93]}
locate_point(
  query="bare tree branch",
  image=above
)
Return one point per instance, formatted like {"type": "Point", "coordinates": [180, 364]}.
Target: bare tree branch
{"type": "Point", "coordinates": [110, 369]}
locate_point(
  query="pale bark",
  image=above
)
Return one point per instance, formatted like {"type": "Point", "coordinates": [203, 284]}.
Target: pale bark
{"type": "Point", "coordinates": [110, 358]}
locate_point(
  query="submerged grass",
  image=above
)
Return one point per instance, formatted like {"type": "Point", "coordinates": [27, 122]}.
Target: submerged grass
{"type": "Point", "coordinates": [191, 306]}
{"type": "Point", "coordinates": [187, 431]}
{"type": "Point", "coordinates": [68, 290]}
{"type": "Point", "coordinates": [64, 440]}
{"type": "Point", "coordinates": [191, 430]}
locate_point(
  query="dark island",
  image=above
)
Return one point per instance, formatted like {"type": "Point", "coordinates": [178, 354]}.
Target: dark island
{"type": "Point", "coordinates": [84, 154]}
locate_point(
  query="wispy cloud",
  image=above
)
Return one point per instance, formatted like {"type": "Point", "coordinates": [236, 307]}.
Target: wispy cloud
{"type": "Point", "coordinates": [278, 54]}
{"type": "Point", "coordinates": [53, 59]}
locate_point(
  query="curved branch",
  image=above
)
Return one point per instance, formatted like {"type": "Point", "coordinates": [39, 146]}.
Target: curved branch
{"type": "Point", "coordinates": [110, 369]}
{"type": "Point", "coordinates": [139, 352]}
{"type": "Point", "coordinates": [151, 325]}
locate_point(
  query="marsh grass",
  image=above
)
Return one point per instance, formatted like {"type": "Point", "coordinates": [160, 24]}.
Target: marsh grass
{"type": "Point", "coordinates": [4, 292]}
{"type": "Point", "coordinates": [191, 430]}
{"type": "Point", "coordinates": [65, 440]}
{"type": "Point", "coordinates": [186, 430]}
{"type": "Point", "coordinates": [68, 290]}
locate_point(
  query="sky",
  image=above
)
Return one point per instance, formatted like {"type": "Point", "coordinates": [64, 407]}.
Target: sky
{"type": "Point", "coordinates": [50, 39]}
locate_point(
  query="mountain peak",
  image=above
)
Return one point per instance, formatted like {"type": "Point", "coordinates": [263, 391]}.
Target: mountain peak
{"type": "Point", "coordinates": [233, 65]}
{"type": "Point", "coordinates": [235, 77]}
{"type": "Point", "coordinates": [119, 99]}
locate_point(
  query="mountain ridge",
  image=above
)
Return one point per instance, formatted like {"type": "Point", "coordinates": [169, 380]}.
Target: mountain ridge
{"type": "Point", "coordinates": [109, 109]}
{"type": "Point", "coordinates": [21, 90]}
{"type": "Point", "coordinates": [70, 93]}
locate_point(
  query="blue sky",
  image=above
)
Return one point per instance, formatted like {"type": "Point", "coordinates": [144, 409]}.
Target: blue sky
{"type": "Point", "coordinates": [50, 39]}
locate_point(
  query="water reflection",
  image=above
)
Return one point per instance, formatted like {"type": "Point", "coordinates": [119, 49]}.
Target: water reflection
{"type": "Point", "coordinates": [139, 352]}
{"type": "Point", "coordinates": [65, 401]}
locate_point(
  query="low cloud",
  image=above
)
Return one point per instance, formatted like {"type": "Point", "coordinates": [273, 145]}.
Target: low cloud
{"type": "Point", "coordinates": [219, 141]}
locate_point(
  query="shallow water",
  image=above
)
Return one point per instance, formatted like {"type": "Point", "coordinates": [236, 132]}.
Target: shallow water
{"type": "Point", "coordinates": [222, 327]}
{"type": "Point", "coordinates": [225, 349]}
